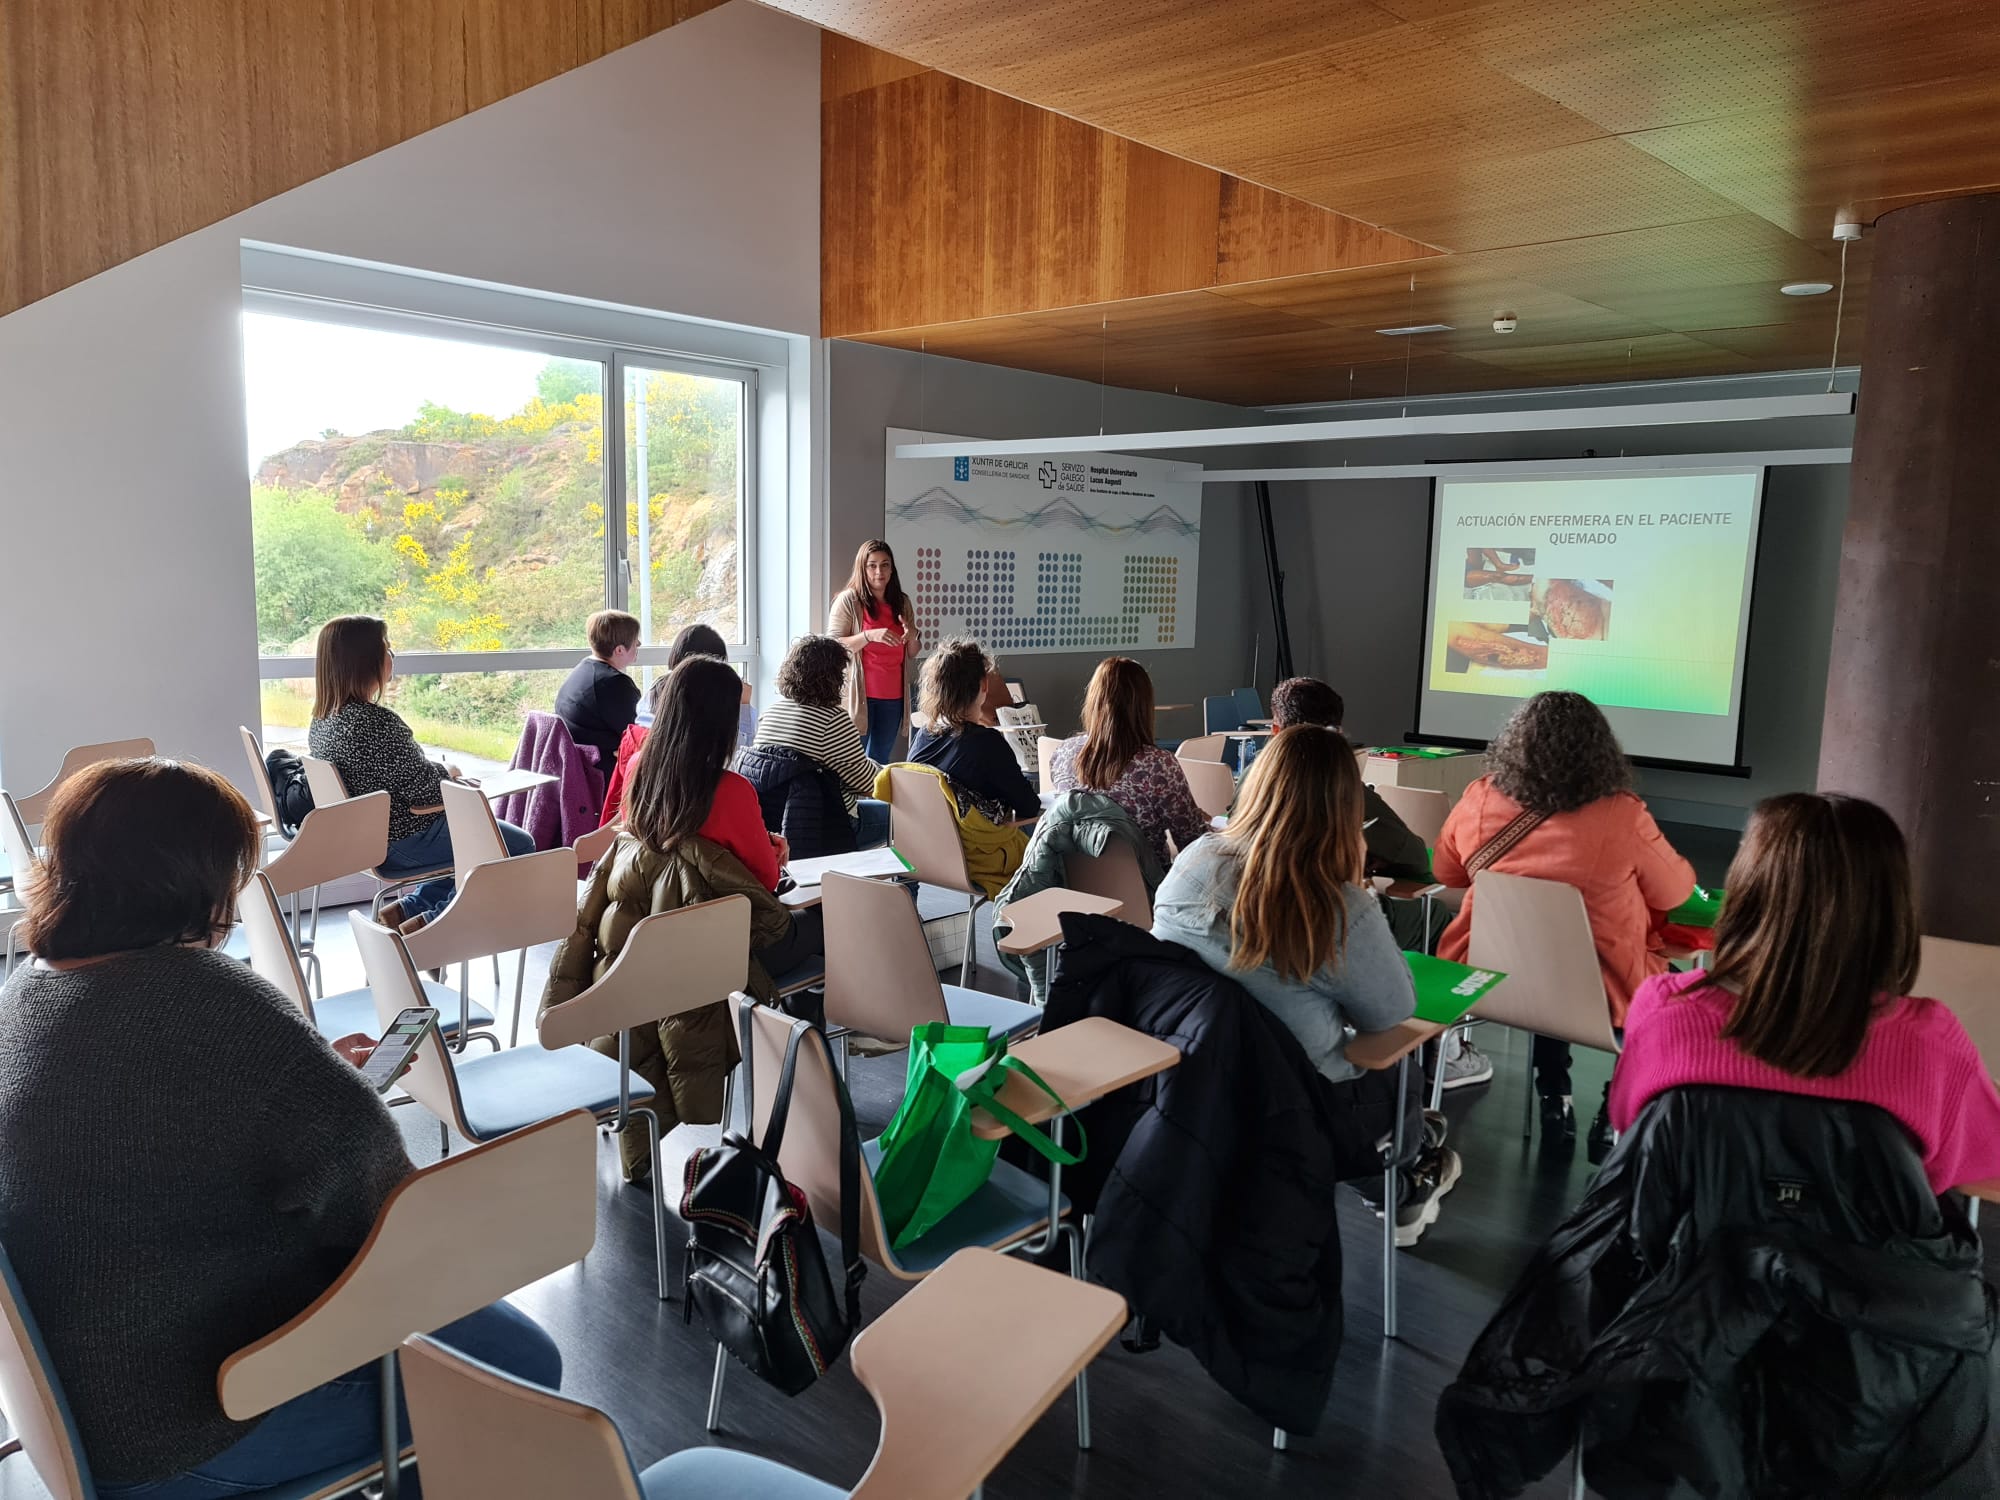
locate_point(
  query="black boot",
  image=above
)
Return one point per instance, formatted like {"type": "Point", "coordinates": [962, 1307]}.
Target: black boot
{"type": "Point", "coordinates": [1601, 1139]}
{"type": "Point", "coordinates": [1558, 1125]}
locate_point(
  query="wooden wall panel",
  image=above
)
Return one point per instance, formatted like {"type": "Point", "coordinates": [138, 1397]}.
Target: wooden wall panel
{"type": "Point", "coordinates": [943, 201]}
{"type": "Point", "coordinates": [128, 123]}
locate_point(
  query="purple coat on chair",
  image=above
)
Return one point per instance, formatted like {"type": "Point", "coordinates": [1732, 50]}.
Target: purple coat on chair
{"type": "Point", "coordinates": [560, 812]}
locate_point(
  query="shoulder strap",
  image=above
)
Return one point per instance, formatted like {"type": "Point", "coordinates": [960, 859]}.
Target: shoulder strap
{"type": "Point", "coordinates": [850, 1196]}
{"type": "Point", "coordinates": [781, 1105]}
{"type": "Point", "coordinates": [1502, 841]}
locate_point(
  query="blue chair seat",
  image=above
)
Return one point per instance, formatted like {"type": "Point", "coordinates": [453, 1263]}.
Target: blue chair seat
{"type": "Point", "coordinates": [807, 975]}
{"type": "Point", "coordinates": [725, 1474]}
{"type": "Point", "coordinates": [354, 1010]}
{"type": "Point", "coordinates": [1011, 1018]}
{"type": "Point", "coordinates": [1011, 1203]}
{"type": "Point", "coordinates": [503, 1091]}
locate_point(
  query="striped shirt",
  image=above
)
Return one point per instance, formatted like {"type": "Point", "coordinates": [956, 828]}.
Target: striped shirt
{"type": "Point", "coordinates": [828, 735]}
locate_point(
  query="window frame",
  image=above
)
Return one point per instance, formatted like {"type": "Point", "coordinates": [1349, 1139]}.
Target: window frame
{"type": "Point", "coordinates": [291, 285]}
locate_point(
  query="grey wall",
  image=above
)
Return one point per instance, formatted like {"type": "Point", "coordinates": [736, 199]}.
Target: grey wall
{"type": "Point", "coordinates": [870, 388]}
{"type": "Point", "coordinates": [1357, 562]}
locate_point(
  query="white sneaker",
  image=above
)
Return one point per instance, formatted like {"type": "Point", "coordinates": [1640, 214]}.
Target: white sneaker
{"type": "Point", "coordinates": [1471, 1066]}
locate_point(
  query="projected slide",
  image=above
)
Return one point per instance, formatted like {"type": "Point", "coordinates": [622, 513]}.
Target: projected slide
{"type": "Point", "coordinates": [1633, 590]}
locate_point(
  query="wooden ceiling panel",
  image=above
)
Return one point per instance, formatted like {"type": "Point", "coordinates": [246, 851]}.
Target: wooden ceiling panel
{"type": "Point", "coordinates": [1656, 356]}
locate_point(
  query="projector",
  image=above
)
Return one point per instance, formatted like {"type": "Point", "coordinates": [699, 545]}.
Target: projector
{"type": "Point", "coordinates": [1506, 323]}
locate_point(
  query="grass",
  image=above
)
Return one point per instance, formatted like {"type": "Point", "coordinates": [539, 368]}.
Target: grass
{"type": "Point", "coordinates": [292, 709]}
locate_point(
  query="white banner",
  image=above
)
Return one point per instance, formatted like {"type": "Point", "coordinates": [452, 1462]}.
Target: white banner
{"type": "Point", "coordinates": [1080, 552]}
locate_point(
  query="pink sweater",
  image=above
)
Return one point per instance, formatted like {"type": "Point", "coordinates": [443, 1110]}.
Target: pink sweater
{"type": "Point", "coordinates": [1917, 1063]}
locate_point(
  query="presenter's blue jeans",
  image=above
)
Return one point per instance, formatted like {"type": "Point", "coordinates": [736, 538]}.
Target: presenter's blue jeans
{"type": "Point", "coordinates": [340, 1424]}
{"type": "Point", "coordinates": [885, 724]}
{"type": "Point", "coordinates": [429, 848]}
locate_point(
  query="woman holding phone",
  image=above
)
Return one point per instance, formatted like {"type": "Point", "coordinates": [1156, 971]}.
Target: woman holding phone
{"type": "Point", "coordinates": [877, 623]}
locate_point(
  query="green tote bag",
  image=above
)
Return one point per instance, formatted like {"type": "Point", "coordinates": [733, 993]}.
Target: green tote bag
{"type": "Point", "coordinates": [931, 1161]}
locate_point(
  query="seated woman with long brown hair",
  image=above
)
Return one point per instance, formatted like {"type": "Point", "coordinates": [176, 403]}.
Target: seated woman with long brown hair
{"type": "Point", "coordinates": [1815, 957]}
{"type": "Point", "coordinates": [1116, 755]}
{"type": "Point", "coordinates": [952, 734]}
{"type": "Point", "coordinates": [1276, 902]}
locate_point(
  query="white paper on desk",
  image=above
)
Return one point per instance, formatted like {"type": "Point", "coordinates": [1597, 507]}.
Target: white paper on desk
{"type": "Point", "coordinates": [864, 864]}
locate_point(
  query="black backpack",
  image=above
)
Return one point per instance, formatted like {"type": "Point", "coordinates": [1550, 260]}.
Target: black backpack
{"type": "Point", "coordinates": [755, 1270]}
{"type": "Point", "coordinates": [289, 792]}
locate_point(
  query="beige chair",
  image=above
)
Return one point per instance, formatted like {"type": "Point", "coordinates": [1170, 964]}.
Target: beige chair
{"type": "Point", "coordinates": [502, 906]}
{"type": "Point", "coordinates": [1202, 747]}
{"type": "Point", "coordinates": [475, 840]}
{"type": "Point", "coordinates": [1537, 933]}
{"type": "Point", "coordinates": [1013, 1211]}
{"type": "Point", "coordinates": [594, 845]}
{"type": "Point", "coordinates": [924, 831]}
{"type": "Point", "coordinates": [1422, 810]}
{"type": "Point", "coordinates": [323, 779]}
{"type": "Point", "coordinates": [261, 794]}
{"type": "Point", "coordinates": [339, 838]}
{"type": "Point", "coordinates": [672, 962]}
{"type": "Point", "coordinates": [34, 806]}
{"type": "Point", "coordinates": [879, 977]}
{"type": "Point", "coordinates": [486, 1434]}
{"type": "Point", "coordinates": [499, 1218]}
{"type": "Point", "coordinates": [1966, 977]}
{"type": "Point", "coordinates": [273, 956]}
{"type": "Point", "coordinates": [1211, 784]}
{"type": "Point", "coordinates": [1114, 873]}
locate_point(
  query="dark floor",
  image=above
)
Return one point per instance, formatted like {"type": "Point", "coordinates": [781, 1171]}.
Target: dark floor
{"type": "Point", "coordinates": [1162, 1428]}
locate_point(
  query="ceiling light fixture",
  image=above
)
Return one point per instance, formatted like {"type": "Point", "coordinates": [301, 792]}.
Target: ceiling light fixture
{"type": "Point", "coordinates": [1500, 469]}
{"type": "Point", "coordinates": [1405, 332]}
{"type": "Point", "coordinates": [1806, 288]}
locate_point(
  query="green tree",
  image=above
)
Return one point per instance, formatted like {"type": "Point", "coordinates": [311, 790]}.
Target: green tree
{"type": "Point", "coordinates": [563, 380]}
{"type": "Point", "coordinates": [312, 563]}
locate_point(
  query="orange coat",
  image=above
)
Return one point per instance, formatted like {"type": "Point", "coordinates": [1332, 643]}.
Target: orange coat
{"type": "Point", "coordinates": [1612, 851]}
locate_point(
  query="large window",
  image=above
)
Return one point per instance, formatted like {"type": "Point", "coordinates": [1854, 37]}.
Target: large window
{"type": "Point", "coordinates": [485, 492]}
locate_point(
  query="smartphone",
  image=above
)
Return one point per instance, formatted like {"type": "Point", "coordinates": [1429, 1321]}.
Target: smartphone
{"type": "Point", "coordinates": [398, 1048]}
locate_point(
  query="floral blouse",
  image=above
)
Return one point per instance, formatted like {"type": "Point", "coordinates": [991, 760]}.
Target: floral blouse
{"type": "Point", "coordinates": [1154, 790]}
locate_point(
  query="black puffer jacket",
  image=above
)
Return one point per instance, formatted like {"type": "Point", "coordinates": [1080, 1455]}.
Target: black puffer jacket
{"type": "Point", "coordinates": [1213, 1184]}
{"type": "Point", "coordinates": [1759, 1296]}
{"type": "Point", "coordinates": [801, 799]}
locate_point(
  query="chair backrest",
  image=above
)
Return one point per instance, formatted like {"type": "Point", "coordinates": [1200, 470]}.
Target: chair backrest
{"type": "Point", "coordinates": [1249, 704]}
{"type": "Point", "coordinates": [880, 977]}
{"type": "Point", "coordinates": [503, 905]}
{"type": "Point", "coordinates": [393, 982]}
{"type": "Point", "coordinates": [35, 805]}
{"type": "Point", "coordinates": [324, 781]}
{"type": "Point", "coordinates": [1114, 873]}
{"type": "Point", "coordinates": [1211, 784]}
{"type": "Point", "coordinates": [260, 775]}
{"type": "Point", "coordinates": [483, 1432]}
{"type": "Point", "coordinates": [337, 839]}
{"type": "Point", "coordinates": [15, 840]}
{"type": "Point", "coordinates": [924, 829]}
{"type": "Point", "coordinates": [672, 962]}
{"type": "Point", "coordinates": [449, 1240]}
{"type": "Point", "coordinates": [1203, 747]}
{"type": "Point", "coordinates": [1219, 713]}
{"type": "Point", "coordinates": [1538, 933]}
{"type": "Point", "coordinates": [1421, 809]}
{"type": "Point", "coordinates": [1966, 977]}
{"type": "Point", "coordinates": [810, 1153]}
{"type": "Point", "coordinates": [272, 956]}
{"type": "Point", "coordinates": [594, 845]}
{"type": "Point", "coordinates": [37, 1411]}
{"type": "Point", "coordinates": [475, 833]}
{"type": "Point", "coordinates": [1045, 761]}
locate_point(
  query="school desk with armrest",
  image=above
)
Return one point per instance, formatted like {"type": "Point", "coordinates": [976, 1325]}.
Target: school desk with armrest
{"type": "Point", "coordinates": [1035, 922]}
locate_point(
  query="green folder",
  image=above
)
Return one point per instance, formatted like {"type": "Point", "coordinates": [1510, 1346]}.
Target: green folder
{"type": "Point", "coordinates": [1445, 990]}
{"type": "Point", "coordinates": [1417, 752]}
{"type": "Point", "coordinates": [1699, 910]}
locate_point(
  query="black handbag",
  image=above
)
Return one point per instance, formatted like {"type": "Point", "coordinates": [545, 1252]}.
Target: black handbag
{"type": "Point", "coordinates": [755, 1270]}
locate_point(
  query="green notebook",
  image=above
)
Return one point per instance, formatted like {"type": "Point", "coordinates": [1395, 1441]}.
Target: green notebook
{"type": "Point", "coordinates": [1445, 990]}
{"type": "Point", "coordinates": [1416, 752]}
{"type": "Point", "coordinates": [1699, 910]}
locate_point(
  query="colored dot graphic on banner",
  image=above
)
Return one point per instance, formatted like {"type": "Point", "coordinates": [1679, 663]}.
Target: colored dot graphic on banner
{"type": "Point", "coordinates": [982, 602]}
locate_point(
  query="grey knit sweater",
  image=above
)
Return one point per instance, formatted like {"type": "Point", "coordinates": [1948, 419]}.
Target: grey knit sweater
{"type": "Point", "coordinates": [184, 1165]}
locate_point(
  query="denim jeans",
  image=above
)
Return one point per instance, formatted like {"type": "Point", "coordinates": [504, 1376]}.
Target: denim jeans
{"type": "Point", "coordinates": [871, 823]}
{"type": "Point", "coordinates": [340, 1423]}
{"type": "Point", "coordinates": [431, 847]}
{"type": "Point", "coordinates": [885, 725]}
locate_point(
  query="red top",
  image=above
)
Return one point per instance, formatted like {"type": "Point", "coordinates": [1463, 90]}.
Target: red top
{"type": "Point", "coordinates": [882, 666]}
{"type": "Point", "coordinates": [1916, 1062]}
{"type": "Point", "coordinates": [736, 822]}
{"type": "Point", "coordinates": [614, 795]}
{"type": "Point", "coordinates": [1611, 851]}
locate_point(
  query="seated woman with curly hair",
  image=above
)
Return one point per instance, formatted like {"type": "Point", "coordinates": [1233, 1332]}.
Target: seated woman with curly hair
{"type": "Point", "coordinates": [1556, 803]}
{"type": "Point", "coordinates": [809, 718]}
